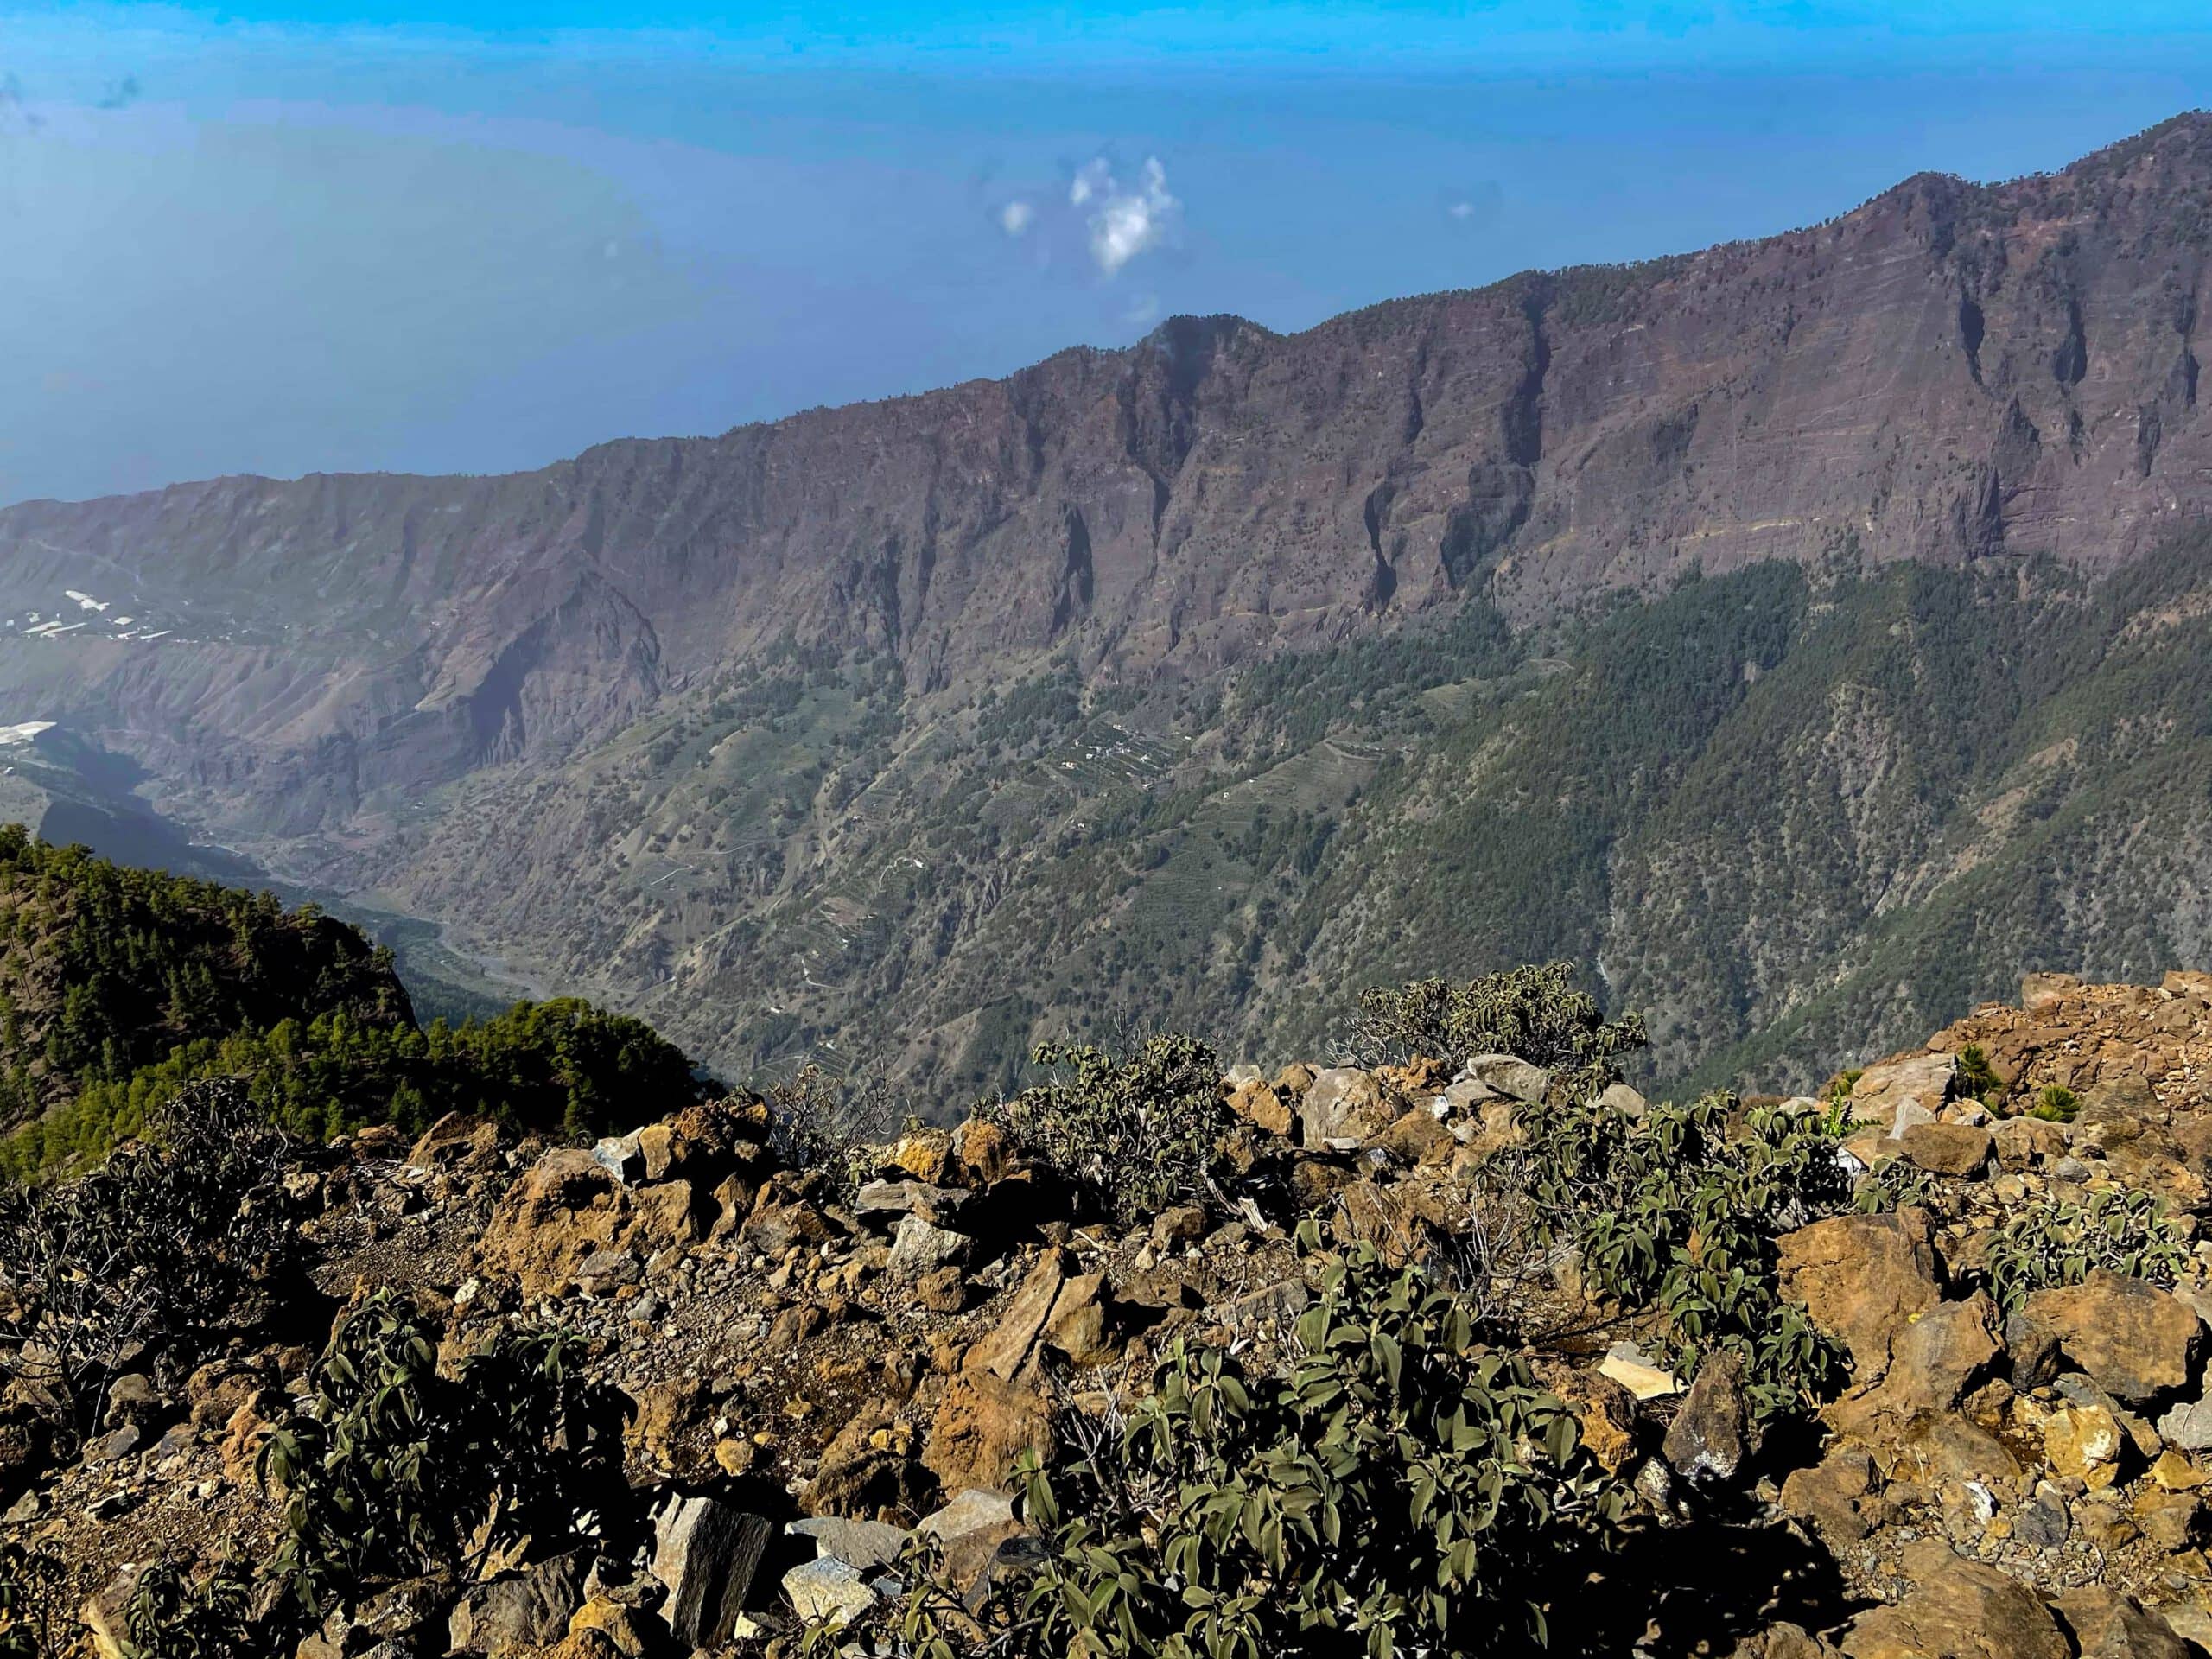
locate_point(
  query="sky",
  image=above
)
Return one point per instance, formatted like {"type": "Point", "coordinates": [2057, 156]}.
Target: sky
{"type": "Point", "coordinates": [321, 235]}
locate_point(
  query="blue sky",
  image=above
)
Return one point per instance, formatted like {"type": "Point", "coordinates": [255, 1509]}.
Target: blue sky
{"type": "Point", "coordinates": [296, 237]}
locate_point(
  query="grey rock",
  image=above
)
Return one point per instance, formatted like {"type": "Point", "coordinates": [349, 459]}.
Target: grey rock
{"type": "Point", "coordinates": [1510, 1075]}
{"type": "Point", "coordinates": [864, 1544]}
{"type": "Point", "coordinates": [116, 1444]}
{"type": "Point", "coordinates": [1343, 1107]}
{"type": "Point", "coordinates": [2188, 1426]}
{"type": "Point", "coordinates": [826, 1592]}
{"type": "Point", "coordinates": [918, 1248]}
{"type": "Point", "coordinates": [708, 1553]}
{"type": "Point", "coordinates": [2041, 1522]}
{"type": "Point", "coordinates": [941, 1204]}
{"type": "Point", "coordinates": [623, 1158]}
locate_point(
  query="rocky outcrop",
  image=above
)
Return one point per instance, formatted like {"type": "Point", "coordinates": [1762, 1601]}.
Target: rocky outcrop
{"type": "Point", "coordinates": [837, 1370]}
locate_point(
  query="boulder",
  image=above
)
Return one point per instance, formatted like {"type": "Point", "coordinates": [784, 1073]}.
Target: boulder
{"type": "Point", "coordinates": [2040, 993]}
{"type": "Point", "coordinates": [1898, 1093]}
{"type": "Point", "coordinates": [1954, 1149]}
{"type": "Point", "coordinates": [707, 1141]}
{"type": "Point", "coordinates": [826, 1592]}
{"type": "Point", "coordinates": [920, 1247]}
{"type": "Point", "coordinates": [1933, 1360]}
{"type": "Point", "coordinates": [662, 1217]}
{"type": "Point", "coordinates": [869, 1467]}
{"type": "Point", "coordinates": [520, 1612]}
{"type": "Point", "coordinates": [983, 1424]}
{"type": "Point", "coordinates": [2188, 1426]}
{"type": "Point", "coordinates": [455, 1140]}
{"type": "Point", "coordinates": [707, 1552]}
{"type": "Point", "coordinates": [569, 1206]}
{"type": "Point", "coordinates": [1006, 1352]}
{"type": "Point", "coordinates": [1957, 1609]}
{"type": "Point", "coordinates": [969, 1531]}
{"type": "Point", "coordinates": [619, 1156]}
{"type": "Point", "coordinates": [1081, 1324]}
{"type": "Point", "coordinates": [1262, 1105]}
{"type": "Point", "coordinates": [1864, 1278]}
{"type": "Point", "coordinates": [940, 1204]}
{"type": "Point", "coordinates": [867, 1545]}
{"type": "Point", "coordinates": [1711, 1435]}
{"type": "Point", "coordinates": [2135, 1341]}
{"type": "Point", "coordinates": [1344, 1106]}
{"type": "Point", "coordinates": [1510, 1075]}
{"type": "Point", "coordinates": [1835, 1494]}
{"type": "Point", "coordinates": [2105, 1625]}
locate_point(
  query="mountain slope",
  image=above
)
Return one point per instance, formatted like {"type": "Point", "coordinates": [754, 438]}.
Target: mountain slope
{"type": "Point", "coordinates": [859, 728]}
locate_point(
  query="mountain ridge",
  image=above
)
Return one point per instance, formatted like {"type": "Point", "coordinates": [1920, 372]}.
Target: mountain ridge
{"type": "Point", "coordinates": [399, 684]}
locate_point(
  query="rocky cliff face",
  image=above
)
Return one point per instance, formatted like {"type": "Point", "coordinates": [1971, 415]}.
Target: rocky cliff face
{"type": "Point", "coordinates": [1953, 374]}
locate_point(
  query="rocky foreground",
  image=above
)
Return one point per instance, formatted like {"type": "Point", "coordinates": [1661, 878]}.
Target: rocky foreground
{"type": "Point", "coordinates": [826, 1362]}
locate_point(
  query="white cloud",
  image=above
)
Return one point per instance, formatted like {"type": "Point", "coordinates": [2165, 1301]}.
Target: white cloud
{"type": "Point", "coordinates": [1016, 217]}
{"type": "Point", "coordinates": [1124, 223]}
{"type": "Point", "coordinates": [1461, 210]}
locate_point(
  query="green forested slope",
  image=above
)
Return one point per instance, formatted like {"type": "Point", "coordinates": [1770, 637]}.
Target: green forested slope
{"type": "Point", "coordinates": [118, 986]}
{"type": "Point", "coordinates": [1795, 815]}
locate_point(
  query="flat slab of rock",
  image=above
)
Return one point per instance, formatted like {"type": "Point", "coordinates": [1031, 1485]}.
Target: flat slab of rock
{"type": "Point", "coordinates": [867, 1545]}
{"type": "Point", "coordinates": [1638, 1373]}
{"type": "Point", "coordinates": [707, 1552]}
{"type": "Point", "coordinates": [827, 1592]}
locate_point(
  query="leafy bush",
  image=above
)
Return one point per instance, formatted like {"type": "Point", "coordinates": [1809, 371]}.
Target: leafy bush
{"type": "Point", "coordinates": [173, 1616]}
{"type": "Point", "coordinates": [1402, 1489]}
{"type": "Point", "coordinates": [1669, 1212]}
{"type": "Point", "coordinates": [32, 1618]}
{"type": "Point", "coordinates": [1977, 1077]}
{"type": "Point", "coordinates": [2056, 1104]}
{"type": "Point", "coordinates": [389, 1469]}
{"type": "Point", "coordinates": [2059, 1242]}
{"type": "Point", "coordinates": [1138, 1134]}
{"type": "Point", "coordinates": [1536, 1013]}
{"type": "Point", "coordinates": [818, 1121]}
{"type": "Point", "coordinates": [160, 1245]}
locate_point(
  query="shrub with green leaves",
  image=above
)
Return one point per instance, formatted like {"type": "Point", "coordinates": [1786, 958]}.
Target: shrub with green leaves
{"type": "Point", "coordinates": [163, 1246]}
{"type": "Point", "coordinates": [32, 1624]}
{"type": "Point", "coordinates": [173, 1615]}
{"type": "Point", "coordinates": [1138, 1134]}
{"type": "Point", "coordinates": [2055, 1103]}
{"type": "Point", "coordinates": [1403, 1489]}
{"type": "Point", "coordinates": [1670, 1211]}
{"type": "Point", "coordinates": [1976, 1076]}
{"type": "Point", "coordinates": [389, 1469]}
{"type": "Point", "coordinates": [1536, 1013]}
{"type": "Point", "coordinates": [2061, 1242]}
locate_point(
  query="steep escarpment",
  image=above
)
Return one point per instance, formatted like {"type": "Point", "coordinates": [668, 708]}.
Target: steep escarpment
{"type": "Point", "coordinates": [482, 697]}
